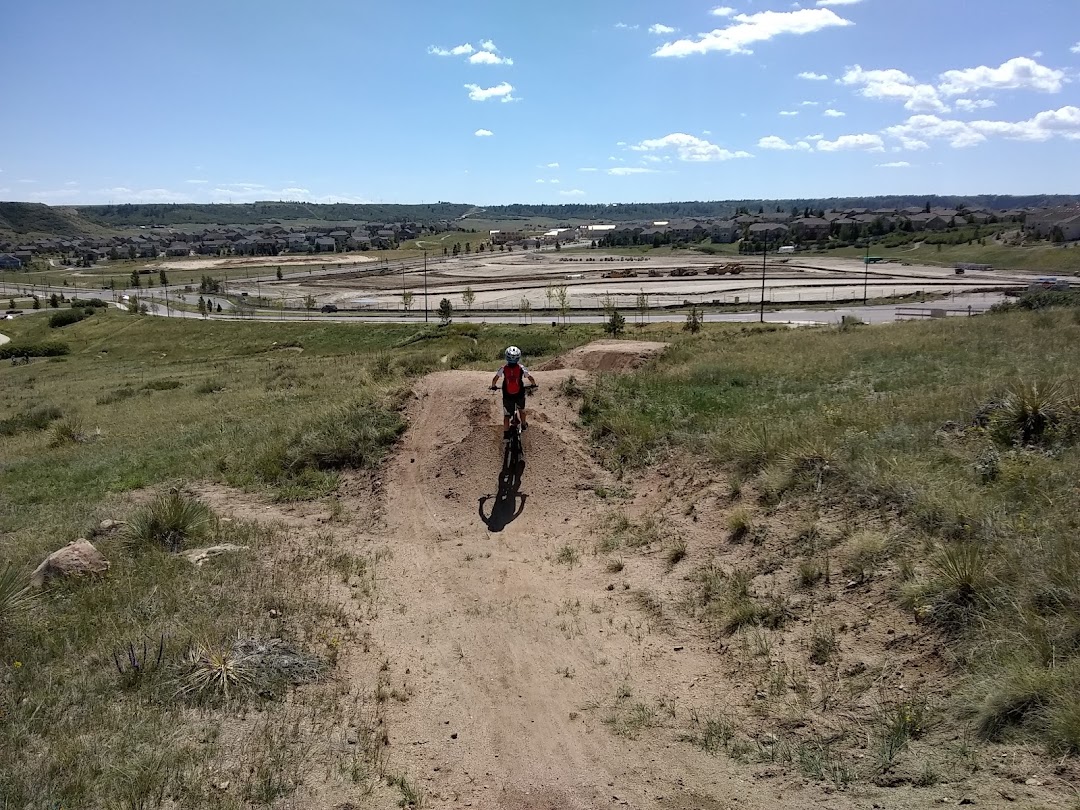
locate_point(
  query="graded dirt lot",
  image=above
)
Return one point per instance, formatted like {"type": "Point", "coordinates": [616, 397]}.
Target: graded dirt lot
{"type": "Point", "coordinates": [500, 281]}
{"type": "Point", "coordinates": [551, 649]}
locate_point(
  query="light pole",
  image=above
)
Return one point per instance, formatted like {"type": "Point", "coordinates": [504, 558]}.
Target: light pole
{"type": "Point", "coordinates": [866, 272]}
{"type": "Point", "coordinates": [764, 256]}
{"type": "Point", "coordinates": [425, 288]}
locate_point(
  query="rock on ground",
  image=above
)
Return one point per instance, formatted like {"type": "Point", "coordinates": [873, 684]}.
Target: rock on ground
{"type": "Point", "coordinates": [77, 558]}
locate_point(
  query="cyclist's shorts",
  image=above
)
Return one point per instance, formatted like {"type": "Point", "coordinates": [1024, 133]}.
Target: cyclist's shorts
{"type": "Point", "coordinates": [510, 401]}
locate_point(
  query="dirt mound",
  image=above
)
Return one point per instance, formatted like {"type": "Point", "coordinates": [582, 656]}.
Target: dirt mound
{"type": "Point", "coordinates": [606, 355]}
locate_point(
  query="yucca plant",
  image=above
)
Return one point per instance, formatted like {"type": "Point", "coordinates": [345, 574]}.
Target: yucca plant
{"type": "Point", "coordinates": [1029, 412]}
{"type": "Point", "coordinates": [213, 671]}
{"type": "Point", "coordinates": [169, 522]}
{"type": "Point", "coordinates": [15, 593]}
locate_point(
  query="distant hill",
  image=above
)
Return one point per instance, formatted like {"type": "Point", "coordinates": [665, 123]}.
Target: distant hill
{"type": "Point", "coordinates": [260, 213]}
{"type": "Point", "coordinates": [40, 219]}
{"type": "Point", "coordinates": [726, 208]}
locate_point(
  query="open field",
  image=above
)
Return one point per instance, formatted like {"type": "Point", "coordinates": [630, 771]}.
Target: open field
{"type": "Point", "coordinates": [499, 281]}
{"type": "Point", "coordinates": [813, 568]}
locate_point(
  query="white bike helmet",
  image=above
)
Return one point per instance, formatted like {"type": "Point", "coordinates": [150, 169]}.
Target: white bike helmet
{"type": "Point", "coordinates": [513, 355]}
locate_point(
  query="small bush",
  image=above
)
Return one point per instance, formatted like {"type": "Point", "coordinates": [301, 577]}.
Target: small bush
{"type": "Point", "coordinates": [33, 350]}
{"type": "Point", "coordinates": [69, 431]}
{"type": "Point", "coordinates": [170, 522]}
{"type": "Point", "coordinates": [210, 387]}
{"type": "Point", "coordinates": [117, 395]}
{"type": "Point", "coordinates": [37, 418]}
{"type": "Point", "coordinates": [740, 526]}
{"type": "Point", "coordinates": [568, 555]}
{"type": "Point", "coordinates": [15, 594]}
{"type": "Point", "coordinates": [66, 317]}
{"type": "Point", "coordinates": [1031, 413]}
{"type": "Point", "coordinates": [88, 303]}
{"type": "Point", "coordinates": [822, 645]}
{"type": "Point", "coordinates": [355, 436]}
{"type": "Point", "coordinates": [866, 551]}
{"type": "Point", "coordinates": [677, 553]}
{"type": "Point", "coordinates": [162, 385]}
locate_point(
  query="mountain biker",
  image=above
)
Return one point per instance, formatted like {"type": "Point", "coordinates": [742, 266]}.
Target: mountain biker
{"type": "Point", "coordinates": [513, 376]}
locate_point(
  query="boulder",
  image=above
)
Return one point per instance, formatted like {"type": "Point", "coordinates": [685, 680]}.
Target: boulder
{"type": "Point", "coordinates": [198, 556]}
{"type": "Point", "coordinates": [78, 558]}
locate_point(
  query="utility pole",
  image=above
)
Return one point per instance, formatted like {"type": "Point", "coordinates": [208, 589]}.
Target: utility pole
{"type": "Point", "coordinates": [866, 271]}
{"type": "Point", "coordinates": [425, 288]}
{"type": "Point", "coordinates": [764, 256]}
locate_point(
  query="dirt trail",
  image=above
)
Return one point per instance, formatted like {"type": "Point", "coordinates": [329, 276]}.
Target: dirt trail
{"type": "Point", "coordinates": [512, 660]}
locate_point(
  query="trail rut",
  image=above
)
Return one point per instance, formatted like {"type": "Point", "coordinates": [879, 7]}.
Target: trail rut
{"type": "Point", "coordinates": [513, 661]}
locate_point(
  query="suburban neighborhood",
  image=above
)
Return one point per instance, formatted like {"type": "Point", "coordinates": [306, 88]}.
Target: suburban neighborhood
{"type": "Point", "coordinates": [795, 228]}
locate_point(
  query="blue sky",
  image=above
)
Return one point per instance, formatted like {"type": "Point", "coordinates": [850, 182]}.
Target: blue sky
{"type": "Point", "coordinates": [497, 102]}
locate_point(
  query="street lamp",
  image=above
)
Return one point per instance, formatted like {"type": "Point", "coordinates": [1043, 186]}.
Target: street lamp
{"type": "Point", "coordinates": [425, 288]}
{"type": "Point", "coordinates": [764, 256]}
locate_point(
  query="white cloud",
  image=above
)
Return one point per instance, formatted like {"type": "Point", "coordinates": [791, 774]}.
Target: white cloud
{"type": "Point", "coordinates": [809, 103]}
{"type": "Point", "coordinates": [58, 194]}
{"type": "Point", "coordinates": [503, 92]}
{"type": "Point", "coordinates": [830, 113]}
{"type": "Point", "coordinates": [573, 192]}
{"type": "Point", "coordinates": [622, 171]}
{"type": "Point", "coordinates": [917, 130]}
{"type": "Point", "coordinates": [865, 142]}
{"type": "Point", "coordinates": [459, 50]}
{"type": "Point", "coordinates": [588, 169]}
{"type": "Point", "coordinates": [809, 75]}
{"type": "Point", "coordinates": [894, 85]}
{"type": "Point", "coordinates": [1075, 48]}
{"type": "Point", "coordinates": [722, 11]}
{"type": "Point", "coordinates": [789, 112]}
{"type": "Point", "coordinates": [838, 2]}
{"type": "Point", "coordinates": [196, 182]}
{"type": "Point", "coordinates": [628, 27]}
{"type": "Point", "coordinates": [970, 105]}
{"type": "Point", "coordinates": [751, 28]}
{"type": "Point", "coordinates": [659, 28]}
{"type": "Point", "coordinates": [295, 192]}
{"type": "Point", "coordinates": [540, 180]}
{"type": "Point", "coordinates": [488, 45]}
{"type": "Point", "coordinates": [72, 183]}
{"type": "Point", "coordinates": [896, 164]}
{"type": "Point", "coordinates": [688, 148]}
{"type": "Point", "coordinates": [483, 133]}
{"type": "Point", "coordinates": [489, 58]}
{"type": "Point", "coordinates": [777, 143]}
{"type": "Point", "coordinates": [552, 166]}
{"type": "Point", "coordinates": [817, 137]}
{"type": "Point", "coordinates": [1016, 74]}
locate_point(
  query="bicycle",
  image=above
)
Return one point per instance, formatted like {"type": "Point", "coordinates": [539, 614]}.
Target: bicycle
{"type": "Point", "coordinates": [513, 449]}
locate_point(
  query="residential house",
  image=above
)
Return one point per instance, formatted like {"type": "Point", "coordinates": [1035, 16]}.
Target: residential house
{"type": "Point", "coordinates": [768, 229]}
{"type": "Point", "coordinates": [340, 237]}
{"type": "Point", "coordinates": [24, 257]}
{"type": "Point", "coordinates": [811, 227]}
{"type": "Point", "coordinates": [726, 231]}
{"type": "Point", "coordinates": [178, 249]}
{"type": "Point", "coordinates": [9, 262]}
{"type": "Point", "coordinates": [325, 245]}
{"type": "Point", "coordinates": [928, 222]}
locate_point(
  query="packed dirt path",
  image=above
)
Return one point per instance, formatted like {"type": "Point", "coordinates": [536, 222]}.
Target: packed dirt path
{"type": "Point", "coordinates": [519, 659]}
{"type": "Point", "coordinates": [511, 659]}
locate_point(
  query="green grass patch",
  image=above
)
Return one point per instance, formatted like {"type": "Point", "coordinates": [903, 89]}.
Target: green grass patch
{"type": "Point", "coordinates": [970, 431]}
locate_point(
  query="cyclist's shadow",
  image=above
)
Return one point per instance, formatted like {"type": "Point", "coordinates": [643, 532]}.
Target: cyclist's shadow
{"type": "Point", "coordinates": [509, 503]}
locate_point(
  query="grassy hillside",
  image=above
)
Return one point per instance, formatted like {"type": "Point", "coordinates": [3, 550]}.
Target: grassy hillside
{"type": "Point", "coordinates": [963, 435]}
{"type": "Point", "coordinates": [1053, 259]}
{"type": "Point", "coordinates": [140, 403]}
{"type": "Point", "coordinates": [42, 220]}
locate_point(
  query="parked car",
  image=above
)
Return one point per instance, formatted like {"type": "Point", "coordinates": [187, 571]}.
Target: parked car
{"type": "Point", "coordinates": [329, 308]}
